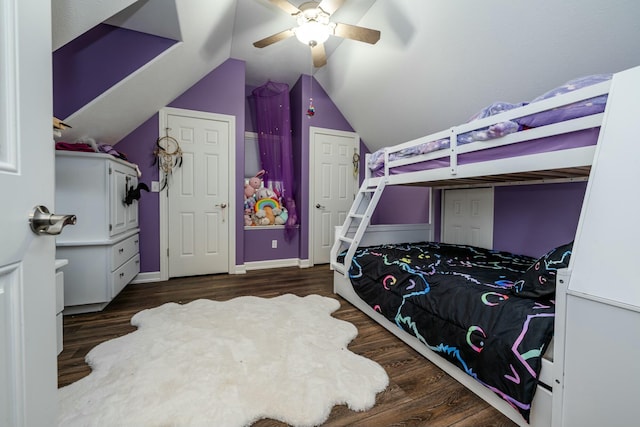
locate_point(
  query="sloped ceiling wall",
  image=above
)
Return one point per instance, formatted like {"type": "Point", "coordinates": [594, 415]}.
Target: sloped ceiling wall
{"type": "Point", "coordinates": [204, 29]}
{"type": "Point", "coordinates": [440, 61]}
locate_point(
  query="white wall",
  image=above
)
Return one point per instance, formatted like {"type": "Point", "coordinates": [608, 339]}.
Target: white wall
{"type": "Point", "coordinates": [440, 61]}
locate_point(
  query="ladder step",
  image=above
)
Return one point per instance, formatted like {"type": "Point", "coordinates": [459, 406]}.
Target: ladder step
{"type": "Point", "coordinates": [356, 224]}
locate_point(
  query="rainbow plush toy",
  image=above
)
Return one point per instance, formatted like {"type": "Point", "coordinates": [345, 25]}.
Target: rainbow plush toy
{"type": "Point", "coordinates": [268, 211]}
{"type": "Point", "coordinates": [269, 202]}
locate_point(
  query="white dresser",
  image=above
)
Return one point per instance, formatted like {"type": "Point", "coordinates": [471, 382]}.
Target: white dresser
{"type": "Point", "coordinates": [103, 246]}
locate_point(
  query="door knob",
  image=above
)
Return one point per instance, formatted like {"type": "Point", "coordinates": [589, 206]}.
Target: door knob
{"type": "Point", "coordinates": [319, 206]}
{"type": "Point", "coordinates": [222, 205]}
{"type": "Point", "coordinates": [44, 222]}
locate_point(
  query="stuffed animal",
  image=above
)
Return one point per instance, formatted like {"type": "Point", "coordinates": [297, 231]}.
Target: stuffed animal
{"type": "Point", "coordinates": [268, 211]}
{"type": "Point", "coordinates": [254, 184]}
{"type": "Point", "coordinates": [281, 216]}
{"type": "Point", "coordinates": [261, 218]}
{"type": "Point", "coordinates": [247, 217]}
{"type": "Point", "coordinates": [266, 193]}
{"type": "Point", "coordinates": [250, 203]}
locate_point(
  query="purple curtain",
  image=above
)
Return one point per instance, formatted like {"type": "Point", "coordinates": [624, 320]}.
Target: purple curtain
{"type": "Point", "coordinates": [273, 122]}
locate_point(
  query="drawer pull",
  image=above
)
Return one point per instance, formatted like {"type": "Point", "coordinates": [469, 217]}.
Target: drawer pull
{"type": "Point", "coordinates": [120, 250]}
{"type": "Point", "coordinates": [121, 275]}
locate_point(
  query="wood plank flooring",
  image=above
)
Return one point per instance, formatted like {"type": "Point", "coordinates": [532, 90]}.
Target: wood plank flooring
{"type": "Point", "coordinates": [419, 393]}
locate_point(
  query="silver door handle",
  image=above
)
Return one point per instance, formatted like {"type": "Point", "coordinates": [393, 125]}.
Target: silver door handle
{"type": "Point", "coordinates": [222, 206]}
{"type": "Point", "coordinates": [44, 222]}
{"type": "Point", "coordinates": [319, 206]}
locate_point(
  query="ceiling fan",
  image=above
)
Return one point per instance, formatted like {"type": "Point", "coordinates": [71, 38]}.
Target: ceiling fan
{"type": "Point", "coordinates": [314, 27]}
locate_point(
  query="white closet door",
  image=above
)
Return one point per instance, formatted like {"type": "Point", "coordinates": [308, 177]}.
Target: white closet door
{"type": "Point", "coordinates": [333, 185]}
{"type": "Point", "coordinates": [199, 197]}
{"type": "Point", "coordinates": [467, 217]}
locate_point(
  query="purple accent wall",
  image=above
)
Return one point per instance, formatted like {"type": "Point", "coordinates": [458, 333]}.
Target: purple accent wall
{"type": "Point", "coordinates": [90, 64]}
{"type": "Point", "coordinates": [530, 219]}
{"type": "Point", "coordinates": [258, 242]}
{"type": "Point", "coordinates": [414, 202]}
{"type": "Point", "coordinates": [222, 92]}
{"type": "Point", "coordinates": [327, 116]}
{"type": "Point", "coordinates": [533, 219]}
{"type": "Point", "coordinates": [257, 245]}
{"type": "Point", "coordinates": [250, 111]}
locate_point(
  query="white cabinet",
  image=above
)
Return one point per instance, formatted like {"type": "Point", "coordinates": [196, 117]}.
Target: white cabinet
{"type": "Point", "coordinates": [103, 246]}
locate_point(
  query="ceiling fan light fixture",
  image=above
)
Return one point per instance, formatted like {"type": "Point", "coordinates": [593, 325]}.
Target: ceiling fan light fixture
{"type": "Point", "coordinates": [314, 27]}
{"type": "Point", "coordinates": [312, 33]}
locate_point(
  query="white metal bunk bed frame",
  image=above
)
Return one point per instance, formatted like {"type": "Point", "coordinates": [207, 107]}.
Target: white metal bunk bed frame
{"type": "Point", "coordinates": [541, 167]}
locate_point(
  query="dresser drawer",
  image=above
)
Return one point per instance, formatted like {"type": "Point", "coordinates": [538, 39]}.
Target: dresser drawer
{"type": "Point", "coordinates": [124, 275]}
{"type": "Point", "coordinates": [124, 250]}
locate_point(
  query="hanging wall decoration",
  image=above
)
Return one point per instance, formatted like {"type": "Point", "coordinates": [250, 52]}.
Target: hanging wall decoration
{"type": "Point", "coordinates": [311, 111]}
{"type": "Point", "coordinates": [168, 155]}
{"type": "Point", "coordinates": [356, 162]}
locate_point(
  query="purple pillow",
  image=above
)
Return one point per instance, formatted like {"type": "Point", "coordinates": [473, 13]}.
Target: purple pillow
{"type": "Point", "coordinates": [539, 281]}
{"type": "Point", "coordinates": [577, 109]}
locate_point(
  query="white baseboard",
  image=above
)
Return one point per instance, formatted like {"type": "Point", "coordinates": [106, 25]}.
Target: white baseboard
{"type": "Point", "coordinates": [276, 263]}
{"type": "Point", "coordinates": [304, 263]}
{"type": "Point", "coordinates": [152, 276]}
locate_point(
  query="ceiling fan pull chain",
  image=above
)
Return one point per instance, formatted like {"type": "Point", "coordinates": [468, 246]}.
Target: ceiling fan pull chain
{"type": "Point", "coordinates": [311, 111]}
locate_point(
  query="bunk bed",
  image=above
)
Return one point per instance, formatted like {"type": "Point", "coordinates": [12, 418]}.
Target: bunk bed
{"type": "Point", "coordinates": [552, 138]}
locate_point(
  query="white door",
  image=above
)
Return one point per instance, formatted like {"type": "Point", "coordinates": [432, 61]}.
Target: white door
{"type": "Point", "coordinates": [333, 185]}
{"type": "Point", "coordinates": [468, 217]}
{"type": "Point", "coordinates": [28, 371]}
{"type": "Point", "coordinates": [199, 196]}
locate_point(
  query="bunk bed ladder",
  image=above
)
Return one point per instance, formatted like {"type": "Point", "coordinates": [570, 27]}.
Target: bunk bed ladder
{"type": "Point", "coordinates": [355, 224]}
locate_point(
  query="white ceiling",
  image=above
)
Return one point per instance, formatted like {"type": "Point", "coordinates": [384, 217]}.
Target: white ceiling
{"type": "Point", "coordinates": [437, 62]}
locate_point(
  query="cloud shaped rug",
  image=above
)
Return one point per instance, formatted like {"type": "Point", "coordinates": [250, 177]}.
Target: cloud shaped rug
{"type": "Point", "coordinates": [231, 363]}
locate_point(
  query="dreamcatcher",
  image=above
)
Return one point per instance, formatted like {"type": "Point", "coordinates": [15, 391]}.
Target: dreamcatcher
{"type": "Point", "coordinates": [355, 160]}
{"type": "Point", "coordinates": [168, 155]}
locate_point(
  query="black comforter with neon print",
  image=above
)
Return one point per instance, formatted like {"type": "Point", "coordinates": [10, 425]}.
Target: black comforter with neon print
{"type": "Point", "coordinates": [457, 300]}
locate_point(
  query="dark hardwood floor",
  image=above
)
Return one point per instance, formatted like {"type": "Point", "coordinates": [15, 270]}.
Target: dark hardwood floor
{"type": "Point", "coordinates": [419, 393]}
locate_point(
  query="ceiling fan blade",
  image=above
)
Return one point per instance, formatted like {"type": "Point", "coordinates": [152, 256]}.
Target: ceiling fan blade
{"type": "Point", "coordinates": [286, 6]}
{"type": "Point", "coordinates": [274, 38]}
{"type": "Point", "coordinates": [318, 54]}
{"type": "Point", "coordinates": [330, 6]}
{"type": "Point", "coordinates": [354, 32]}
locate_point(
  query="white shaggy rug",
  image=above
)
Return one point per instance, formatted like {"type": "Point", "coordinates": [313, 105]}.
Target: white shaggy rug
{"type": "Point", "coordinates": [210, 363]}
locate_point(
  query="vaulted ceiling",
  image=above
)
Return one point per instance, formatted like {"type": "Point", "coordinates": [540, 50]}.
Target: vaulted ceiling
{"type": "Point", "coordinates": [437, 62]}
